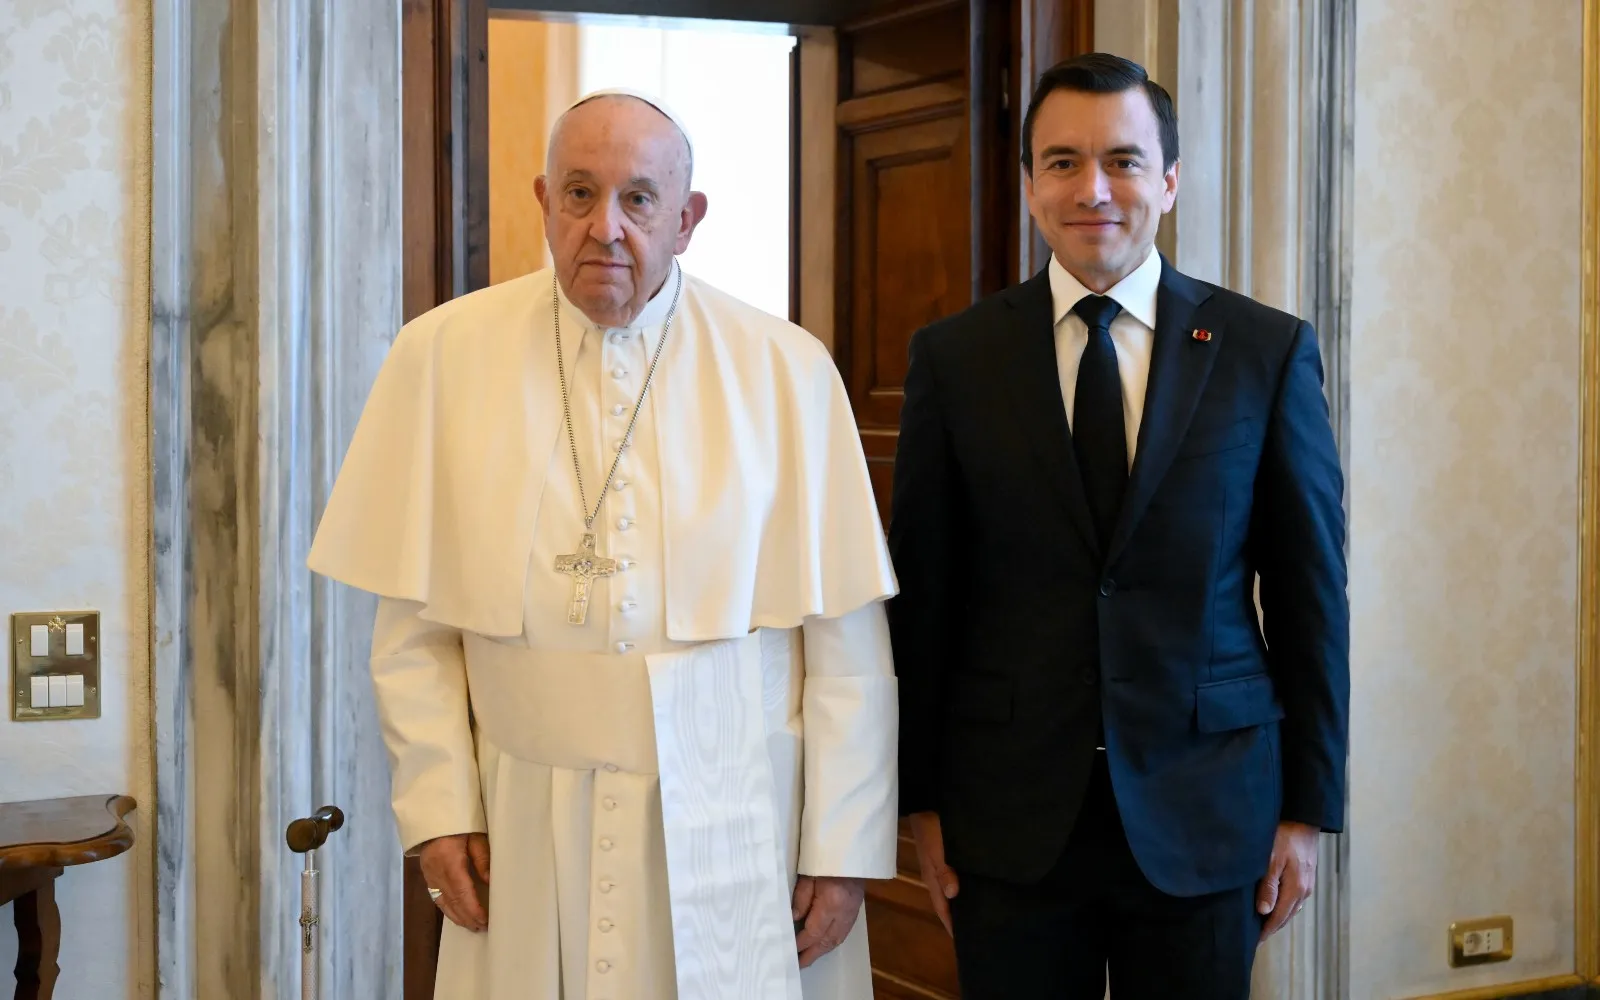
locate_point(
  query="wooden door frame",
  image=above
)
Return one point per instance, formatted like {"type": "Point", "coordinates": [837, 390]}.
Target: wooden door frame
{"type": "Point", "coordinates": [444, 212]}
{"type": "Point", "coordinates": [445, 105]}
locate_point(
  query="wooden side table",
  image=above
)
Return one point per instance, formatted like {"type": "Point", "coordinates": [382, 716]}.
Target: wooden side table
{"type": "Point", "coordinates": [38, 840]}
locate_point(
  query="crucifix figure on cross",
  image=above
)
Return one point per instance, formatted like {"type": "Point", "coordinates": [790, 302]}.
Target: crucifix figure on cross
{"type": "Point", "coordinates": [585, 567]}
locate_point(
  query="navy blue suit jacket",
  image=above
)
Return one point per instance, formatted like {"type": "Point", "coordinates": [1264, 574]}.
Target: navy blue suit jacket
{"type": "Point", "coordinates": [1017, 633]}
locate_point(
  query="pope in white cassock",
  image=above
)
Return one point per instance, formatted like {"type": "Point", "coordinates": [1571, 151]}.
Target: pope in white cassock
{"type": "Point", "coordinates": [631, 631]}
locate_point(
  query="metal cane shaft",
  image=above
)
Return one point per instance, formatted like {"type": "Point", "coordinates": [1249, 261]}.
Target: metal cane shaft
{"type": "Point", "coordinates": [304, 837]}
{"type": "Point", "coordinates": [310, 934]}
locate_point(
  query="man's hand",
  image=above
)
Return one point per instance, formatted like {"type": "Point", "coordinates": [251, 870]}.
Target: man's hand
{"type": "Point", "coordinates": [448, 864]}
{"type": "Point", "coordinates": [829, 907]}
{"type": "Point", "coordinates": [1291, 876]}
{"type": "Point", "coordinates": [936, 875]}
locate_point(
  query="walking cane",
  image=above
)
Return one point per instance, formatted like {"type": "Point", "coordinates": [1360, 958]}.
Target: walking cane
{"type": "Point", "coordinates": [305, 836]}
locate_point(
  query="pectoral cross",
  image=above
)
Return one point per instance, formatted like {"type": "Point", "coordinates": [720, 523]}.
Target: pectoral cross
{"type": "Point", "coordinates": [584, 567]}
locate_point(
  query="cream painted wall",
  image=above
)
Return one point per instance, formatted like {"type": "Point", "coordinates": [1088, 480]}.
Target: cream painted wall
{"type": "Point", "coordinates": [74, 470]}
{"type": "Point", "coordinates": [1463, 492]}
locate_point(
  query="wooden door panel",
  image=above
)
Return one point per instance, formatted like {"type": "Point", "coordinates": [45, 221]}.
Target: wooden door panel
{"type": "Point", "coordinates": [909, 250]}
{"type": "Point", "coordinates": [907, 233]}
{"type": "Point", "coordinates": [912, 954]}
{"type": "Point", "coordinates": [878, 444]}
{"type": "Point", "coordinates": [896, 48]}
{"type": "Point", "coordinates": [906, 253]}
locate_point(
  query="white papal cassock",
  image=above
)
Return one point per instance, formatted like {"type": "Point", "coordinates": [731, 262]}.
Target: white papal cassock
{"type": "Point", "coordinates": [652, 780]}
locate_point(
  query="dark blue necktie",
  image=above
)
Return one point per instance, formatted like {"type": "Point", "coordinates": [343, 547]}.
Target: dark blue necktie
{"type": "Point", "coordinates": [1099, 435]}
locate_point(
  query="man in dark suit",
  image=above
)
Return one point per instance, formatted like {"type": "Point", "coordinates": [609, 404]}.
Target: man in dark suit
{"type": "Point", "coordinates": [1108, 757]}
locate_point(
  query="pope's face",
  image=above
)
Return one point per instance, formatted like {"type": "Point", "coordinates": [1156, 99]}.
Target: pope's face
{"type": "Point", "coordinates": [617, 205]}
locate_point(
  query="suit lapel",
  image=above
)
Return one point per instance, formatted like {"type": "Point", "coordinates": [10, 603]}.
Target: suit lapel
{"type": "Point", "coordinates": [1179, 367]}
{"type": "Point", "coordinates": [1031, 376]}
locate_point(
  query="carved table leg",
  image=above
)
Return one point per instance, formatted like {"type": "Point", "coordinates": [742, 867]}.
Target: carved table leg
{"type": "Point", "coordinates": [38, 941]}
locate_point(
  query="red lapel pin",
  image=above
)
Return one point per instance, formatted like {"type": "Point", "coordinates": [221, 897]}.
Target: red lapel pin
{"type": "Point", "coordinates": [1202, 335]}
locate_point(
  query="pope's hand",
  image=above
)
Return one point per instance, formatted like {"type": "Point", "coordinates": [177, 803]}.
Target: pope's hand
{"type": "Point", "coordinates": [829, 907]}
{"type": "Point", "coordinates": [448, 865]}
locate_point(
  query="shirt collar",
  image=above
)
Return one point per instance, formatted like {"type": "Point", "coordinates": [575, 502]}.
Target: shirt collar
{"type": "Point", "coordinates": [576, 327]}
{"type": "Point", "coordinates": [1136, 293]}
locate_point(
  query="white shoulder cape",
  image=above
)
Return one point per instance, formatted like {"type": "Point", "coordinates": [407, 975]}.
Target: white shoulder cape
{"type": "Point", "coordinates": [769, 513]}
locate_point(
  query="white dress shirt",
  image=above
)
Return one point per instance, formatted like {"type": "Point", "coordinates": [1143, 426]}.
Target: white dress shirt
{"type": "Point", "coordinates": [1132, 334]}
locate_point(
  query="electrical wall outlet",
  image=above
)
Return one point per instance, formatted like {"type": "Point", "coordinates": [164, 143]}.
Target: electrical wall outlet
{"type": "Point", "coordinates": [1475, 942]}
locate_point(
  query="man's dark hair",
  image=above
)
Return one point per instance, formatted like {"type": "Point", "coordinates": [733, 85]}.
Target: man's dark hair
{"type": "Point", "coordinates": [1103, 73]}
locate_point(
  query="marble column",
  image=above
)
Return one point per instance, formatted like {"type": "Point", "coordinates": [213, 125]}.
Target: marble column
{"type": "Point", "coordinates": [276, 277]}
{"type": "Point", "coordinates": [1263, 90]}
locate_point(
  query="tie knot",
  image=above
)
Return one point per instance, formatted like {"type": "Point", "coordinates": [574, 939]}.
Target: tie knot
{"type": "Point", "coordinates": [1097, 311]}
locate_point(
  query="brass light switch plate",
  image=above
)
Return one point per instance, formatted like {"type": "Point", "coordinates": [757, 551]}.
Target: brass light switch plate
{"type": "Point", "coordinates": [1474, 942]}
{"type": "Point", "coordinates": [55, 665]}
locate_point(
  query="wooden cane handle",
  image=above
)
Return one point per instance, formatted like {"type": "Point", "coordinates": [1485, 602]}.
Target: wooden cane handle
{"type": "Point", "coordinates": [311, 832]}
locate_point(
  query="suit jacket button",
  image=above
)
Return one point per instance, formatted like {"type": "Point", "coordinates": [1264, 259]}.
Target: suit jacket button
{"type": "Point", "coordinates": [1091, 677]}
{"type": "Point", "coordinates": [1108, 587]}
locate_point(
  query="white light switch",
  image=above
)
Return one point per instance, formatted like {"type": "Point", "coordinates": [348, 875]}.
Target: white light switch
{"type": "Point", "coordinates": [58, 692]}
{"type": "Point", "coordinates": [74, 690]}
{"type": "Point", "coordinates": [40, 638]}
{"type": "Point", "coordinates": [41, 691]}
{"type": "Point", "coordinates": [75, 639]}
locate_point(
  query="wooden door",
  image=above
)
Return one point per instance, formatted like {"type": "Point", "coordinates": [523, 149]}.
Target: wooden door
{"type": "Point", "coordinates": [908, 211]}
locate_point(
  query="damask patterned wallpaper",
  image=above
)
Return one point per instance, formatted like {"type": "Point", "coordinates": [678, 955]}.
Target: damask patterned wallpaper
{"type": "Point", "coordinates": [74, 470]}
{"type": "Point", "coordinates": [1463, 494]}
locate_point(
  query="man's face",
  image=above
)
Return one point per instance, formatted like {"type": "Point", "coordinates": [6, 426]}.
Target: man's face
{"type": "Point", "coordinates": [617, 205]}
{"type": "Point", "coordinates": [1097, 190]}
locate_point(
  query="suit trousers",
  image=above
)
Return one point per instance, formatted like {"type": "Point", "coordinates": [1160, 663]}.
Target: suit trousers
{"type": "Point", "coordinates": [1095, 913]}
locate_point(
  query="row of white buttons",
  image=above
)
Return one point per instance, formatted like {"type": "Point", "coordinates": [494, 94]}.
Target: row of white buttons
{"type": "Point", "coordinates": [606, 843]}
{"type": "Point", "coordinates": [606, 925]}
{"type": "Point", "coordinates": [620, 410]}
